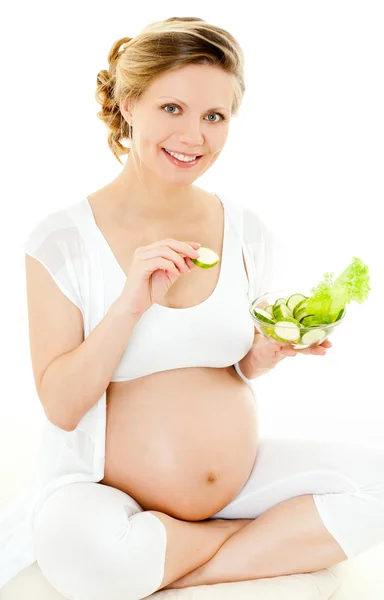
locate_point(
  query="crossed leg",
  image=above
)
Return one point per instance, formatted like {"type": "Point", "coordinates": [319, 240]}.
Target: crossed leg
{"type": "Point", "coordinates": [312, 504]}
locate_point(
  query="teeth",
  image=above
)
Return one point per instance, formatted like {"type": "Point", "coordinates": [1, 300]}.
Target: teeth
{"type": "Point", "coordinates": [181, 156]}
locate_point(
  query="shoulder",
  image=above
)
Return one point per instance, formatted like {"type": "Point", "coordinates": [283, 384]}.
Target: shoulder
{"type": "Point", "coordinates": [57, 227]}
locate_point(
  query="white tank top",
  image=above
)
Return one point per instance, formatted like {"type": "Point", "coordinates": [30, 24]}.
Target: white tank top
{"type": "Point", "coordinates": [215, 333]}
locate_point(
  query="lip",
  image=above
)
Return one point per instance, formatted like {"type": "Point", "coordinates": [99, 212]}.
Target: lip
{"type": "Point", "coordinates": [181, 164]}
{"type": "Point", "coordinates": [183, 153]}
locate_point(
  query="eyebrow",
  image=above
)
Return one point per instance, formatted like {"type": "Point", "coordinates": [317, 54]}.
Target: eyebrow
{"type": "Point", "coordinates": [183, 103]}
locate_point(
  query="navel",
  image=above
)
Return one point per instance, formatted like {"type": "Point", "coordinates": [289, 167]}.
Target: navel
{"type": "Point", "coordinates": [211, 478]}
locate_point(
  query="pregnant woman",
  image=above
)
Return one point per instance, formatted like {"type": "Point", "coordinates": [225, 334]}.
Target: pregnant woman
{"type": "Point", "coordinates": [183, 492]}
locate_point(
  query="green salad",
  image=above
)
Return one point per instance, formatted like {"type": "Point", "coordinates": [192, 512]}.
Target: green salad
{"type": "Point", "coordinates": [291, 320]}
{"type": "Point", "coordinates": [330, 297]}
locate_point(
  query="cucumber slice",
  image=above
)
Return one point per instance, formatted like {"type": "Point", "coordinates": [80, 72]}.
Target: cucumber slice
{"type": "Point", "coordinates": [299, 307]}
{"type": "Point", "coordinates": [303, 314]}
{"type": "Point", "coordinates": [294, 300]}
{"type": "Point", "coordinates": [280, 301]}
{"type": "Point", "coordinates": [288, 330]}
{"type": "Point", "coordinates": [281, 311]}
{"type": "Point", "coordinates": [312, 321]}
{"type": "Point", "coordinates": [311, 337]}
{"type": "Point", "coordinates": [263, 315]}
{"type": "Point", "coordinates": [339, 315]}
{"type": "Point", "coordinates": [207, 258]}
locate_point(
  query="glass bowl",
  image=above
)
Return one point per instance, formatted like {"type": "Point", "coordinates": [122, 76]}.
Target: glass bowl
{"type": "Point", "coordinates": [297, 333]}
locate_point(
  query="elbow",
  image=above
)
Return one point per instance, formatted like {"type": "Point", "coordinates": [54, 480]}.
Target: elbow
{"type": "Point", "coordinates": [62, 422]}
{"type": "Point", "coordinates": [56, 409]}
{"type": "Point", "coordinates": [66, 427]}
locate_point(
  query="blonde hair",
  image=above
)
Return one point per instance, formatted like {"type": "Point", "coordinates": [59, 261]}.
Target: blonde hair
{"type": "Point", "coordinates": [160, 47]}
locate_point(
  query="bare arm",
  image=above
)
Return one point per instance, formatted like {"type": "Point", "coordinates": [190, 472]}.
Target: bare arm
{"type": "Point", "coordinates": [76, 380]}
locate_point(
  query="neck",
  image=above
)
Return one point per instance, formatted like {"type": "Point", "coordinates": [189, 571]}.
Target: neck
{"type": "Point", "coordinates": [183, 203]}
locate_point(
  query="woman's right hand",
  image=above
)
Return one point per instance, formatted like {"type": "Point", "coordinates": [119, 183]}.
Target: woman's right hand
{"type": "Point", "coordinates": [153, 270]}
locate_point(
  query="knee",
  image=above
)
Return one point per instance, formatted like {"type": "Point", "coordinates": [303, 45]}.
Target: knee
{"type": "Point", "coordinates": [92, 543]}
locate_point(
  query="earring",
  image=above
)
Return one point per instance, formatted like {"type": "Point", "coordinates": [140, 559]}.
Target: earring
{"type": "Point", "coordinates": [130, 131]}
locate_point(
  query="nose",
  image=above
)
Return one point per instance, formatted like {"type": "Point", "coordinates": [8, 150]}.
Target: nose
{"type": "Point", "coordinates": [192, 135]}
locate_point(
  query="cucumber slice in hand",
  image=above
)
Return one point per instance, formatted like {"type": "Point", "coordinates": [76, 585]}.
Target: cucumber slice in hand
{"type": "Point", "coordinates": [207, 258]}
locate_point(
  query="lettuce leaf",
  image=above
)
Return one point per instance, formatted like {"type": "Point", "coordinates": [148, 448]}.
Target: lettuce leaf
{"type": "Point", "coordinates": [329, 297]}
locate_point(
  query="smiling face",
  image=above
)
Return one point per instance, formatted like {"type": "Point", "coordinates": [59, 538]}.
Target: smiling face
{"type": "Point", "coordinates": [187, 111]}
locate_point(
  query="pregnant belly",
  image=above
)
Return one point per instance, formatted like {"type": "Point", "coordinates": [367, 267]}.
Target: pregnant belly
{"type": "Point", "coordinates": [182, 442]}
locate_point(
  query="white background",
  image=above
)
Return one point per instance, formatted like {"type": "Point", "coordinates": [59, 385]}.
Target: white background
{"type": "Point", "coordinates": [305, 152]}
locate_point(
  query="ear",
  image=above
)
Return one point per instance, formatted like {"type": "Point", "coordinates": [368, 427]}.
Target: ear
{"type": "Point", "coordinates": [126, 110]}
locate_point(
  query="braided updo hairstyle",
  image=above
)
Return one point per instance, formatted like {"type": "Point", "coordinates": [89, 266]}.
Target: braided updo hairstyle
{"type": "Point", "coordinates": [162, 46]}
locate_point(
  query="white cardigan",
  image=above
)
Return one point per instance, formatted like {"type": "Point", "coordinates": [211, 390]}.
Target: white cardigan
{"type": "Point", "coordinates": [64, 243]}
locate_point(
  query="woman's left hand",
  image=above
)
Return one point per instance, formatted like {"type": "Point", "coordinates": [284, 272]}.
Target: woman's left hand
{"type": "Point", "coordinates": [265, 354]}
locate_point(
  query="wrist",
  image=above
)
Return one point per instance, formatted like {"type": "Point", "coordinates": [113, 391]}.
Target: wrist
{"type": "Point", "coordinates": [120, 310]}
{"type": "Point", "coordinates": [239, 371]}
{"type": "Point", "coordinates": [247, 375]}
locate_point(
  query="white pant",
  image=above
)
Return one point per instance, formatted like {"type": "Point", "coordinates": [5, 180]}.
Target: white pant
{"type": "Point", "coordinates": [95, 542]}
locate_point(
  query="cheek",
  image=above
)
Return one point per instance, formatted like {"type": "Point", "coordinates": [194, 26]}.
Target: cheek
{"type": "Point", "coordinates": [153, 131]}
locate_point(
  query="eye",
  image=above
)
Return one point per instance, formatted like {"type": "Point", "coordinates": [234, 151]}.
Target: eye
{"type": "Point", "coordinates": [223, 117]}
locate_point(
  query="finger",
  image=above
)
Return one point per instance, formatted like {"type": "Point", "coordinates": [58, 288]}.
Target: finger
{"type": "Point", "coordinates": [323, 346]}
{"type": "Point", "coordinates": [318, 350]}
{"type": "Point", "coordinates": [288, 352]}
{"type": "Point", "coordinates": [315, 351]}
